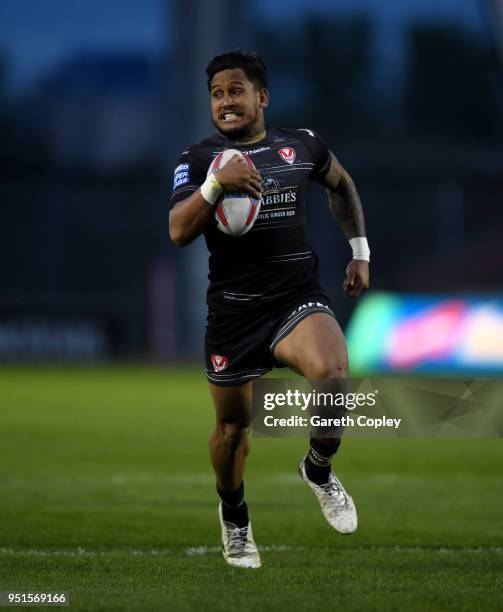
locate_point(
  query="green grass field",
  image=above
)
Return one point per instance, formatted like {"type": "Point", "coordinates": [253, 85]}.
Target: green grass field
{"type": "Point", "coordinates": [107, 492]}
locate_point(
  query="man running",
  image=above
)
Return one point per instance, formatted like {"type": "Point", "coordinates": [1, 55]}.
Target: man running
{"type": "Point", "coordinates": [266, 307]}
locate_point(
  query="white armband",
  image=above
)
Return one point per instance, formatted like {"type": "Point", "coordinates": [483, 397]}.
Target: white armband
{"type": "Point", "coordinates": [360, 248]}
{"type": "Point", "coordinates": [211, 189]}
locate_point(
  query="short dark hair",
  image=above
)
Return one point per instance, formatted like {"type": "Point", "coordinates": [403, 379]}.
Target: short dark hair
{"type": "Point", "coordinates": [252, 64]}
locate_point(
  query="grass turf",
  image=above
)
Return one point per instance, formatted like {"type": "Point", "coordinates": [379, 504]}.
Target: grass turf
{"type": "Point", "coordinates": [107, 492]}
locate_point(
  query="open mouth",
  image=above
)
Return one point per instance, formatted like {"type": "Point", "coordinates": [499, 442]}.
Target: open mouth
{"type": "Point", "coordinates": [229, 116]}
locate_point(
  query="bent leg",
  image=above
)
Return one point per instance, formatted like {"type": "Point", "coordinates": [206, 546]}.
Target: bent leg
{"type": "Point", "coordinates": [317, 350]}
{"type": "Point", "coordinates": [229, 442]}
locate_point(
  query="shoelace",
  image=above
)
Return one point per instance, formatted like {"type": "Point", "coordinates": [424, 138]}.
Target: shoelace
{"type": "Point", "coordinates": [237, 541]}
{"type": "Point", "coordinates": [333, 489]}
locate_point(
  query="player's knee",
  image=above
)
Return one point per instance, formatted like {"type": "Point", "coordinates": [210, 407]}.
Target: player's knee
{"type": "Point", "coordinates": [323, 368]}
{"type": "Point", "coordinates": [235, 436]}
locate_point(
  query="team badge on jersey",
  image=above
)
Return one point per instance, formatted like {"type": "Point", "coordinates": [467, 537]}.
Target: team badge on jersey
{"type": "Point", "coordinates": [288, 154]}
{"type": "Point", "coordinates": [220, 362]}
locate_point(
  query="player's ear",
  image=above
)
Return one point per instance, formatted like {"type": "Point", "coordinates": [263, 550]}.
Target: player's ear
{"type": "Point", "coordinates": [263, 97]}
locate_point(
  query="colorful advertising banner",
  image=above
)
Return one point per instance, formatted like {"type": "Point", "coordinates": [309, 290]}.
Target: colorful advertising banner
{"type": "Point", "coordinates": [425, 334]}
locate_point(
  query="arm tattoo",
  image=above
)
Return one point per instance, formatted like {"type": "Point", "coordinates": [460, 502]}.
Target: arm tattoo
{"type": "Point", "coordinates": [344, 201]}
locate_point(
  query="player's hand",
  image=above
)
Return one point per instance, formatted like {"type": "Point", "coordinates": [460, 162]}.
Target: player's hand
{"type": "Point", "coordinates": [237, 175]}
{"type": "Point", "coordinates": [357, 278]}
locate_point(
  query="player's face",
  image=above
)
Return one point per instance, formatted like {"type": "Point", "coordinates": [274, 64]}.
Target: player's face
{"type": "Point", "coordinates": [237, 108]}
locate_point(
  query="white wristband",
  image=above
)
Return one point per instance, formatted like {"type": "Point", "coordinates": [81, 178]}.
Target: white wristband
{"type": "Point", "coordinates": [360, 248]}
{"type": "Point", "coordinates": [211, 189]}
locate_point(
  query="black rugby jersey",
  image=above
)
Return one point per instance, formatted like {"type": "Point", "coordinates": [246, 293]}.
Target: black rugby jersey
{"type": "Point", "coordinates": [274, 260]}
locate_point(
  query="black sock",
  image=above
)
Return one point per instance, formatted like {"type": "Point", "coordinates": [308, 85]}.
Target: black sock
{"type": "Point", "coordinates": [315, 472]}
{"type": "Point", "coordinates": [318, 462]}
{"type": "Point", "coordinates": [234, 508]}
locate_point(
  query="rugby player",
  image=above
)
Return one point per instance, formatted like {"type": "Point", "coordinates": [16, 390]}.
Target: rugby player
{"type": "Point", "coordinates": [266, 307]}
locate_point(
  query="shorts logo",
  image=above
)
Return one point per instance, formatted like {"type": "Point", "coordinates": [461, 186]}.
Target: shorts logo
{"type": "Point", "coordinates": [288, 154]}
{"type": "Point", "coordinates": [220, 362]}
{"type": "Point", "coordinates": [181, 175]}
{"type": "Point", "coordinates": [307, 306]}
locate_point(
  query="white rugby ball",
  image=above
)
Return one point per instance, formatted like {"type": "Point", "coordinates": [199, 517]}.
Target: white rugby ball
{"type": "Point", "coordinates": [235, 213]}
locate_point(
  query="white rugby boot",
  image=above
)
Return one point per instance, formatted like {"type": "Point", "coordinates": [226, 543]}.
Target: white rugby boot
{"type": "Point", "coordinates": [239, 548]}
{"type": "Point", "coordinates": [337, 506]}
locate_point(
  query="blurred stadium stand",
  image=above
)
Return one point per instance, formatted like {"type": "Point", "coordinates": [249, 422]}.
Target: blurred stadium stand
{"type": "Point", "coordinates": [102, 111]}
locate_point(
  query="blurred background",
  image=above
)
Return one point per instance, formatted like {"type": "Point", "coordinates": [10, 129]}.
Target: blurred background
{"type": "Point", "coordinates": [98, 99]}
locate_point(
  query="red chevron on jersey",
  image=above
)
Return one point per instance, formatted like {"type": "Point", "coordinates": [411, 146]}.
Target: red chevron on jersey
{"type": "Point", "coordinates": [288, 154]}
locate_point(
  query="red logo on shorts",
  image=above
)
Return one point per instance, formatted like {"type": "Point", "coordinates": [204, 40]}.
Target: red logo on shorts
{"type": "Point", "coordinates": [219, 362]}
{"type": "Point", "coordinates": [288, 154]}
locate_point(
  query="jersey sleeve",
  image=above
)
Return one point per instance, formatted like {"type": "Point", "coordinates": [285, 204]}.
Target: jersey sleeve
{"type": "Point", "coordinates": [320, 153]}
{"type": "Point", "coordinates": [188, 176]}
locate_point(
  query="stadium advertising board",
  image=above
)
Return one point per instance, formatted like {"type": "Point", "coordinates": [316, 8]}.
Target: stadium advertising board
{"type": "Point", "coordinates": [448, 335]}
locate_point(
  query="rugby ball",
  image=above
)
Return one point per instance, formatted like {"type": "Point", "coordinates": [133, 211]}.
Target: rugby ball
{"type": "Point", "coordinates": [235, 213]}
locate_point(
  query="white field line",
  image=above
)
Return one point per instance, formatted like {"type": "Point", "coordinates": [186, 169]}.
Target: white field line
{"type": "Point", "coordinates": [197, 551]}
{"type": "Point", "coordinates": [386, 478]}
{"type": "Point", "coordinates": [116, 479]}
{"type": "Point", "coordinates": [204, 550]}
{"type": "Point", "coordinates": [81, 552]}
{"type": "Point", "coordinates": [188, 478]}
{"type": "Point", "coordinates": [193, 551]}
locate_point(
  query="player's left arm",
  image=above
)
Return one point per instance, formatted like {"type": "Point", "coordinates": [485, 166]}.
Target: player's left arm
{"type": "Point", "coordinates": [346, 207]}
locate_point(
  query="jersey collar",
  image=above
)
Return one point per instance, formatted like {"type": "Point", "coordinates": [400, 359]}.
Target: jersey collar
{"type": "Point", "coordinates": [266, 140]}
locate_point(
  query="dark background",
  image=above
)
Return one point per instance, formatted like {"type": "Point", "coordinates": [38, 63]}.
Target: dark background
{"type": "Point", "coordinates": [97, 100]}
